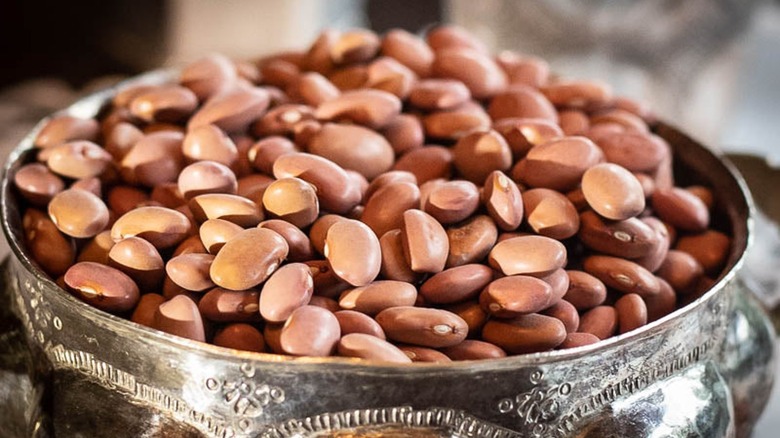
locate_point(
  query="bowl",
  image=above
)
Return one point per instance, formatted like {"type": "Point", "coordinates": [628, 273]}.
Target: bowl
{"type": "Point", "coordinates": [72, 370]}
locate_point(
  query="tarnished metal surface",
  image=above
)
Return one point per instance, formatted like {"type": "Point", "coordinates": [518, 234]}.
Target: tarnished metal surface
{"type": "Point", "coordinates": [704, 370]}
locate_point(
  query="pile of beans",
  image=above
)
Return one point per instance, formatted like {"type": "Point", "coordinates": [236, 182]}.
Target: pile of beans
{"type": "Point", "coordinates": [388, 197]}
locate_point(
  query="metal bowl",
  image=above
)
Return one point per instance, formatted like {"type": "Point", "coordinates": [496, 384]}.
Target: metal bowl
{"type": "Point", "coordinates": [68, 369]}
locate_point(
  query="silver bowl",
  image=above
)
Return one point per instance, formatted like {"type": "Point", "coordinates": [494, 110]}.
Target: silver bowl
{"type": "Point", "coordinates": [68, 369]}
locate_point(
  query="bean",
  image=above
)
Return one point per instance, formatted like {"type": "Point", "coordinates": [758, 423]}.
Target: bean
{"type": "Point", "coordinates": [140, 260]}
{"type": "Point", "coordinates": [576, 93]}
{"type": "Point", "coordinates": [560, 164]}
{"type": "Point", "coordinates": [452, 201]}
{"type": "Point", "coordinates": [566, 313]}
{"type": "Point", "coordinates": [630, 238]}
{"type": "Point", "coordinates": [154, 159]}
{"type": "Point", "coordinates": [353, 147]}
{"type": "Point", "coordinates": [456, 284]}
{"type": "Point", "coordinates": [146, 308]}
{"type": "Point", "coordinates": [426, 163]}
{"type": "Point", "coordinates": [522, 101]}
{"type": "Point", "coordinates": [354, 46]}
{"type": "Point", "coordinates": [102, 286]}
{"type": "Point", "coordinates": [232, 208]}
{"type": "Point", "coordinates": [424, 354]}
{"type": "Point", "coordinates": [369, 347]}
{"type": "Point", "coordinates": [167, 103]}
{"type": "Point", "coordinates": [389, 75]}
{"type": "Point", "coordinates": [162, 227]}
{"type": "Point", "coordinates": [478, 154]}
{"type": "Point", "coordinates": [600, 321]}
{"type": "Point", "coordinates": [208, 75]}
{"type": "Point", "coordinates": [456, 122]}
{"type": "Point", "coordinates": [353, 252]}
{"type": "Point", "coordinates": [311, 88]}
{"type": "Point", "coordinates": [287, 289]}
{"type": "Point", "coordinates": [628, 120]}
{"type": "Point", "coordinates": [52, 250]}
{"type": "Point", "coordinates": [424, 241]}
{"type": "Point", "coordinates": [97, 248]}
{"type": "Point", "coordinates": [472, 313]}
{"type": "Point", "coordinates": [573, 122]}
{"type": "Point", "coordinates": [191, 244]}
{"type": "Point", "coordinates": [179, 316]}
{"type": "Point", "coordinates": [612, 191]}
{"type": "Point", "coordinates": [550, 214]}
{"type": "Point", "coordinates": [528, 255]}
{"type": "Point", "coordinates": [439, 94]}
{"type": "Point", "coordinates": [631, 311]}
{"type": "Point", "coordinates": [248, 259]}
{"type": "Point", "coordinates": [452, 36]}
{"type": "Point", "coordinates": [404, 133]}
{"type": "Point", "coordinates": [206, 177]}
{"type": "Point", "coordinates": [478, 71]}
{"type": "Point", "coordinates": [681, 209]}
{"type": "Point", "coordinates": [66, 128]}
{"type": "Point", "coordinates": [335, 191]}
{"type": "Point", "coordinates": [232, 110]}
{"type": "Point", "coordinates": [525, 334]}
{"type": "Point", "coordinates": [574, 340]}
{"type": "Point", "coordinates": [681, 270]}
{"type": "Point", "coordinates": [703, 193]}
{"type": "Point", "coordinates": [223, 305]}
{"type": "Point", "coordinates": [623, 275]}
{"type": "Point", "coordinates": [300, 247]}
{"type": "Point", "coordinates": [710, 248]}
{"type": "Point", "coordinates": [240, 336]}
{"type": "Point", "coordinates": [352, 321]}
{"type": "Point", "coordinates": [78, 159]}
{"type": "Point", "coordinates": [585, 291]}
{"type": "Point", "coordinates": [351, 77]}
{"type": "Point", "coordinates": [635, 151]}
{"type": "Point", "coordinates": [378, 296]}
{"type": "Point", "coordinates": [409, 50]}
{"type": "Point", "coordinates": [37, 183]}
{"type": "Point", "coordinates": [214, 233]}
{"type": "Point", "coordinates": [310, 331]}
{"type": "Point", "coordinates": [282, 120]}
{"type": "Point", "coordinates": [372, 108]}
{"type": "Point", "coordinates": [394, 264]}
{"type": "Point", "coordinates": [523, 134]}
{"type": "Point", "coordinates": [652, 261]}
{"type": "Point", "coordinates": [78, 213]}
{"type": "Point", "coordinates": [515, 295]}
{"type": "Point", "coordinates": [292, 200]}
{"type": "Point", "coordinates": [523, 69]}
{"type": "Point", "coordinates": [471, 241]}
{"type": "Point", "coordinates": [191, 271]}
{"type": "Point", "coordinates": [472, 349]}
{"type": "Point", "coordinates": [503, 201]}
{"type": "Point", "coordinates": [424, 327]}
{"type": "Point", "coordinates": [559, 284]}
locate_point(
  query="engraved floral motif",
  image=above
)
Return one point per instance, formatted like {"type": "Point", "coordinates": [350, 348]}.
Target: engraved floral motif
{"type": "Point", "coordinates": [43, 318]}
{"type": "Point", "coordinates": [244, 395]}
{"type": "Point", "coordinates": [538, 406]}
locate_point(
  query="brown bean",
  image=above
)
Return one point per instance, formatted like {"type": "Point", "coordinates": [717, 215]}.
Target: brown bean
{"type": "Point", "coordinates": [387, 178]}
{"type": "Point", "coordinates": [631, 311]}
{"type": "Point", "coordinates": [613, 192]}
{"type": "Point", "coordinates": [335, 190]}
{"type": "Point", "coordinates": [264, 153]}
{"type": "Point", "coordinates": [311, 88]}
{"type": "Point", "coordinates": [622, 275]}
{"type": "Point", "coordinates": [394, 264]}
{"type": "Point", "coordinates": [601, 321]}
{"type": "Point", "coordinates": [515, 295]}
{"type": "Point", "coordinates": [372, 108]}
{"type": "Point", "coordinates": [425, 327]}
{"type": "Point", "coordinates": [456, 284]}
{"type": "Point", "coordinates": [353, 252]}
{"type": "Point", "coordinates": [363, 346]}
{"type": "Point", "coordinates": [166, 103]}
{"type": "Point", "coordinates": [208, 142]}
{"type": "Point", "coordinates": [191, 271]}
{"type": "Point", "coordinates": [232, 208]}
{"type": "Point", "coordinates": [681, 209]}
{"type": "Point", "coordinates": [704, 193]}
{"type": "Point", "coordinates": [426, 163]}
{"type": "Point", "coordinates": [471, 241]}
{"type": "Point", "coordinates": [559, 284]}
{"type": "Point", "coordinates": [409, 50]}
{"type": "Point", "coordinates": [102, 287]}
{"type": "Point", "coordinates": [662, 303]}
{"type": "Point", "coordinates": [524, 69]}
{"type": "Point", "coordinates": [78, 213]}
{"type": "Point", "coordinates": [425, 242]}
{"type": "Point", "coordinates": [681, 271]}
{"type": "Point", "coordinates": [293, 200]}
{"type": "Point", "coordinates": [387, 74]}
{"type": "Point", "coordinates": [404, 133]}
{"type": "Point", "coordinates": [424, 354]}
{"type": "Point", "coordinates": [310, 331]}
{"type": "Point", "coordinates": [352, 321]}
{"type": "Point", "coordinates": [208, 75]}
{"type": "Point", "coordinates": [206, 177]}
{"type": "Point", "coordinates": [378, 296]}
{"type": "Point", "coordinates": [652, 261]}
{"type": "Point", "coordinates": [528, 255]}
{"type": "Point", "coordinates": [626, 119]}
{"type": "Point", "coordinates": [223, 305]}
{"type": "Point", "coordinates": [232, 110]}
{"type": "Point", "coordinates": [179, 316]}
{"type": "Point", "coordinates": [710, 248]}
{"type": "Point", "coordinates": [524, 134]}
{"type": "Point", "coordinates": [97, 248]}
{"type": "Point", "coordinates": [577, 93]}
{"type": "Point", "coordinates": [37, 183]}
{"type": "Point", "coordinates": [478, 154]}
{"type": "Point", "coordinates": [77, 159]}
{"type": "Point", "coordinates": [439, 94]}
{"type": "Point", "coordinates": [140, 260]}
{"type": "Point", "coordinates": [354, 46]}
{"type": "Point", "coordinates": [122, 199]}
{"type": "Point", "coordinates": [154, 159]}
{"type": "Point", "coordinates": [560, 164]}
{"type": "Point", "coordinates": [472, 349]}
{"type": "Point", "coordinates": [66, 128]}
{"type": "Point", "coordinates": [248, 259]}
{"type": "Point", "coordinates": [281, 120]}
{"type": "Point", "coordinates": [353, 147]}
{"type": "Point", "coordinates": [550, 213]}
{"type": "Point", "coordinates": [635, 151]}
{"type": "Point", "coordinates": [287, 289]}
{"type": "Point", "coordinates": [585, 291]}
{"type": "Point", "coordinates": [191, 244]}
{"type": "Point", "coordinates": [472, 313]}
{"type": "Point", "coordinates": [300, 248]}
{"type": "Point", "coordinates": [240, 336]}
{"type": "Point", "coordinates": [452, 36]}
{"type": "Point", "coordinates": [630, 238]}
{"type": "Point", "coordinates": [478, 71]}
{"type": "Point", "coordinates": [503, 201]}
{"type": "Point", "coordinates": [566, 313]}
{"type": "Point", "coordinates": [522, 101]}
{"type": "Point", "coordinates": [146, 308]}
{"type": "Point", "coordinates": [525, 334]}
{"type": "Point", "coordinates": [454, 123]}
{"type": "Point", "coordinates": [452, 201]}
{"type": "Point", "coordinates": [353, 77]}
{"type": "Point", "coordinates": [91, 184]}
{"type": "Point", "coordinates": [215, 232]}
{"type": "Point", "coordinates": [574, 340]}
{"type": "Point", "coordinates": [52, 250]}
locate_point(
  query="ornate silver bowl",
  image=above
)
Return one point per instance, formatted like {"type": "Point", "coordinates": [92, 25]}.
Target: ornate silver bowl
{"type": "Point", "coordinates": [67, 369]}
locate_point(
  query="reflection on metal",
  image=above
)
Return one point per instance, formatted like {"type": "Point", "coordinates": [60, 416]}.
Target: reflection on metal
{"type": "Point", "coordinates": [704, 370]}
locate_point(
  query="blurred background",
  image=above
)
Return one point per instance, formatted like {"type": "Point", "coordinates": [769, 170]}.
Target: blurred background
{"type": "Point", "coordinates": [711, 67]}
